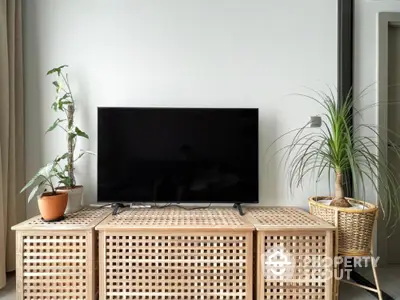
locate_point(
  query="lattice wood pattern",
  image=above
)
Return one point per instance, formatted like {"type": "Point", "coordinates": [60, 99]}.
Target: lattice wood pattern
{"type": "Point", "coordinates": [176, 218]}
{"type": "Point", "coordinates": [309, 274]}
{"type": "Point", "coordinates": [176, 254]}
{"type": "Point", "coordinates": [58, 260]}
{"type": "Point", "coordinates": [295, 291]}
{"type": "Point", "coordinates": [284, 218]}
{"type": "Point", "coordinates": [86, 218]}
{"type": "Point", "coordinates": [301, 240]}
{"type": "Point", "coordinates": [175, 266]}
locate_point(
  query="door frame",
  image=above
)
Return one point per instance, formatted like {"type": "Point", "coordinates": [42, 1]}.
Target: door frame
{"type": "Point", "coordinates": [384, 21]}
{"type": "Point", "coordinates": [345, 25]}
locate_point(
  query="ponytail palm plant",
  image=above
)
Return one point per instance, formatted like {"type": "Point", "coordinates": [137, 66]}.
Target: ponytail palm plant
{"type": "Point", "coordinates": [342, 149]}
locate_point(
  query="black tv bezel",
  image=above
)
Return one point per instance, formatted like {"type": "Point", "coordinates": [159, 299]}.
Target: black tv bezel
{"type": "Point", "coordinates": [256, 201]}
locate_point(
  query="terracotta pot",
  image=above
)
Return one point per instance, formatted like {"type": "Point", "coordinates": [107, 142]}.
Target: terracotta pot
{"type": "Point", "coordinates": [52, 207]}
{"type": "Point", "coordinates": [75, 198]}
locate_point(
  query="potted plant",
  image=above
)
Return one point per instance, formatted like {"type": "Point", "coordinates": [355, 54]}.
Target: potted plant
{"type": "Point", "coordinates": [65, 103]}
{"type": "Point", "coordinates": [52, 203]}
{"type": "Point", "coordinates": [340, 149]}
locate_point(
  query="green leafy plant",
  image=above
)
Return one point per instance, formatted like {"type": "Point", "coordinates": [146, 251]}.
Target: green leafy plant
{"type": "Point", "coordinates": [43, 180]}
{"type": "Point", "coordinates": [65, 103]}
{"type": "Point", "coordinates": [356, 149]}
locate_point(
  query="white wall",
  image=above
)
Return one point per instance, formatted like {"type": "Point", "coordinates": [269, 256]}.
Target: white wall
{"type": "Point", "coordinates": [365, 58]}
{"type": "Point", "coordinates": [365, 74]}
{"type": "Point", "coordinates": [204, 53]}
{"type": "Point", "coordinates": [365, 45]}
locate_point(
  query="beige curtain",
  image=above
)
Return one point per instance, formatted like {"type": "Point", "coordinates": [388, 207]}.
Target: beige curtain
{"type": "Point", "coordinates": [12, 173]}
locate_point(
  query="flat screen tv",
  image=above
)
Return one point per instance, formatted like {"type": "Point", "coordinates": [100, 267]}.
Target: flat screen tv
{"type": "Point", "coordinates": [178, 155]}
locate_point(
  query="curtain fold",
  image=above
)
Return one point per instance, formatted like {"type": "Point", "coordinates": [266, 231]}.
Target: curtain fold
{"type": "Point", "coordinates": [12, 165]}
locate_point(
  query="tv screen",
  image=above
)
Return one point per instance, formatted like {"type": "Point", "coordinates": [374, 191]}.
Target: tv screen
{"type": "Point", "coordinates": [178, 155]}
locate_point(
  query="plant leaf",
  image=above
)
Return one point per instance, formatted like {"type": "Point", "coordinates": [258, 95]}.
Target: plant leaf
{"type": "Point", "coordinates": [66, 181]}
{"type": "Point", "coordinates": [55, 124]}
{"type": "Point", "coordinates": [59, 158]}
{"type": "Point", "coordinates": [83, 152]}
{"type": "Point", "coordinates": [30, 182]}
{"type": "Point", "coordinates": [58, 70]}
{"type": "Point", "coordinates": [57, 84]}
{"type": "Point", "coordinates": [66, 96]}
{"type": "Point", "coordinates": [81, 133]}
{"type": "Point", "coordinates": [33, 192]}
{"type": "Point", "coordinates": [61, 103]}
{"type": "Point", "coordinates": [44, 171]}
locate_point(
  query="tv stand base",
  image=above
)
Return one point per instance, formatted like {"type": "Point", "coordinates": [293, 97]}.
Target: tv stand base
{"type": "Point", "coordinates": [238, 206]}
{"type": "Point", "coordinates": [116, 207]}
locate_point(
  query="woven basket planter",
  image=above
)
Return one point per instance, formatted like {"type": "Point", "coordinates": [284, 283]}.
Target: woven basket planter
{"type": "Point", "coordinates": [355, 226]}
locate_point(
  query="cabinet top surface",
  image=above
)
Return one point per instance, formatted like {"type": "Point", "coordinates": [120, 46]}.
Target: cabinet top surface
{"type": "Point", "coordinates": [274, 218]}
{"type": "Point", "coordinates": [176, 218]}
{"type": "Point", "coordinates": [214, 218]}
{"type": "Point", "coordinates": [85, 219]}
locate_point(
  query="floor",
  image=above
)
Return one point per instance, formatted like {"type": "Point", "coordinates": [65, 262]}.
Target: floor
{"type": "Point", "coordinates": [389, 279]}
{"type": "Point", "coordinates": [8, 293]}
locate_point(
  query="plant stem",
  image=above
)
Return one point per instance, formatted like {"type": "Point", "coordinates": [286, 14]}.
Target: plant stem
{"type": "Point", "coordinates": [62, 128]}
{"type": "Point", "coordinates": [339, 192]}
{"type": "Point", "coordinates": [65, 78]}
{"type": "Point", "coordinates": [71, 137]}
{"type": "Point", "coordinates": [53, 191]}
{"type": "Point", "coordinates": [339, 200]}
